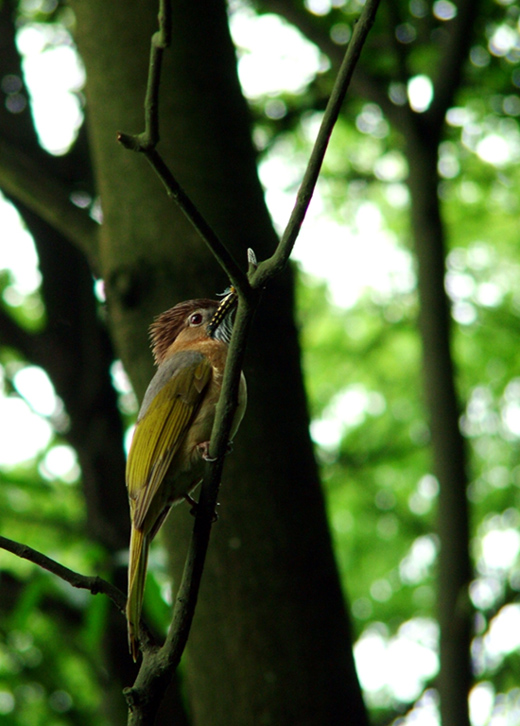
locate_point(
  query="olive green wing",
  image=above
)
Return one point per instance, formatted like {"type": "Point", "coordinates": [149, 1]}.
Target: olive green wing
{"type": "Point", "coordinates": [169, 407]}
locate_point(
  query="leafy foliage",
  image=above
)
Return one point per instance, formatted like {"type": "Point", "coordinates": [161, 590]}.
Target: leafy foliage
{"type": "Point", "coordinates": [364, 382]}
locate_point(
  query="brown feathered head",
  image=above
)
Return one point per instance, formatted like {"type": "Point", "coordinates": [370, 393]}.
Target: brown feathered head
{"type": "Point", "coordinates": [214, 315]}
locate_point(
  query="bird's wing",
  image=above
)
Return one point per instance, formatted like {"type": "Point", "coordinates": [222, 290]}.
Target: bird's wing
{"type": "Point", "coordinates": [171, 402]}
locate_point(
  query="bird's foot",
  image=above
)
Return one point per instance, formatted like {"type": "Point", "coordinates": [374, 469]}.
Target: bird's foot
{"type": "Point", "coordinates": [204, 452]}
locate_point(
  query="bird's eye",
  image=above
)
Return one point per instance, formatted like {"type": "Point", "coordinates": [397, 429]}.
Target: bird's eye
{"type": "Point", "coordinates": [196, 319]}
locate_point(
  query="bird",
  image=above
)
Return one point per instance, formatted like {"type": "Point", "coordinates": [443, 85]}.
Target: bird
{"type": "Point", "coordinates": [170, 444]}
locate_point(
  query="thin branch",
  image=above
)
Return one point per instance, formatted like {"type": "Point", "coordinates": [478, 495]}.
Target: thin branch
{"type": "Point", "coordinates": [186, 205]}
{"type": "Point", "coordinates": [94, 584]}
{"type": "Point", "coordinates": [149, 138]}
{"type": "Point", "coordinates": [147, 141]}
{"type": "Point", "coordinates": [278, 260]}
{"type": "Point", "coordinates": [146, 694]}
{"type": "Point", "coordinates": [361, 83]}
{"type": "Point", "coordinates": [155, 672]}
{"type": "Point", "coordinates": [23, 179]}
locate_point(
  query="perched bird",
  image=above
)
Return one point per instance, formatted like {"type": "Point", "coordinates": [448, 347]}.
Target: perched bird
{"type": "Point", "coordinates": [171, 439]}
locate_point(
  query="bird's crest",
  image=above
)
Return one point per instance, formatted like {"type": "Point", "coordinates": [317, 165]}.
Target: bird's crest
{"type": "Point", "coordinates": [167, 326]}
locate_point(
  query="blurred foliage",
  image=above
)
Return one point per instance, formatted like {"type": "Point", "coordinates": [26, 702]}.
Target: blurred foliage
{"type": "Point", "coordinates": [363, 372]}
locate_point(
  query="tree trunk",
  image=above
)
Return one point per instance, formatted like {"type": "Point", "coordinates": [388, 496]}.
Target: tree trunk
{"type": "Point", "coordinates": [270, 642]}
{"type": "Point", "coordinates": [454, 566]}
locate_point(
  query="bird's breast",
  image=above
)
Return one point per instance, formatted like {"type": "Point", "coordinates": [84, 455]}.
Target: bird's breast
{"type": "Point", "coordinates": [187, 467]}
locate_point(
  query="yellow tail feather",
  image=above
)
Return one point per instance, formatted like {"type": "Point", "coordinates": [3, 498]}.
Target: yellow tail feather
{"type": "Point", "coordinates": [136, 579]}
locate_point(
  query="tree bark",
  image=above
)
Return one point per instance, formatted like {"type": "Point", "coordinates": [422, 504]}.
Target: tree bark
{"type": "Point", "coordinates": [270, 641]}
{"type": "Point", "coordinates": [449, 453]}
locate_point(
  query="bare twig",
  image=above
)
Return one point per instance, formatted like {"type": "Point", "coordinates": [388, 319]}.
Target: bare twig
{"type": "Point", "coordinates": [362, 83]}
{"type": "Point", "coordinates": [206, 232]}
{"type": "Point", "coordinates": [275, 264]}
{"type": "Point", "coordinates": [94, 584]}
{"type": "Point", "coordinates": [149, 138]}
{"type": "Point", "coordinates": [158, 663]}
{"type": "Point", "coordinates": [147, 141]}
{"type": "Point", "coordinates": [144, 697]}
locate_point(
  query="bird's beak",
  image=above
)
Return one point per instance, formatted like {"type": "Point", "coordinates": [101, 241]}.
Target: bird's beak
{"type": "Point", "coordinates": [221, 324]}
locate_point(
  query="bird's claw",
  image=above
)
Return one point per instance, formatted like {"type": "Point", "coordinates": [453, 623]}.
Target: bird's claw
{"type": "Point", "coordinates": [204, 452]}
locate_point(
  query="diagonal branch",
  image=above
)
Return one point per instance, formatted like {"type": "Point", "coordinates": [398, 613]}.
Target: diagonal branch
{"type": "Point", "coordinates": [186, 205]}
{"type": "Point", "coordinates": [155, 672]}
{"type": "Point", "coordinates": [275, 264]}
{"type": "Point", "coordinates": [146, 694]}
{"type": "Point", "coordinates": [24, 180]}
{"type": "Point", "coordinates": [94, 584]}
{"type": "Point", "coordinates": [157, 666]}
{"type": "Point", "coordinates": [361, 83]}
{"type": "Point", "coordinates": [147, 141]}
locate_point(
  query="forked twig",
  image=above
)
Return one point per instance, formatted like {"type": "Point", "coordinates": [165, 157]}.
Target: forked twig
{"type": "Point", "coordinates": [144, 697]}
{"type": "Point", "coordinates": [158, 663]}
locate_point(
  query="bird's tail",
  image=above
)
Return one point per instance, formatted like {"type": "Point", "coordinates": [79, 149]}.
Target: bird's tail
{"type": "Point", "coordinates": [138, 561]}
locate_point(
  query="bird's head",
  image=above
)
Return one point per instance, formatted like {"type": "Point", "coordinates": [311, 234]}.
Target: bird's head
{"type": "Point", "coordinates": [191, 321]}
